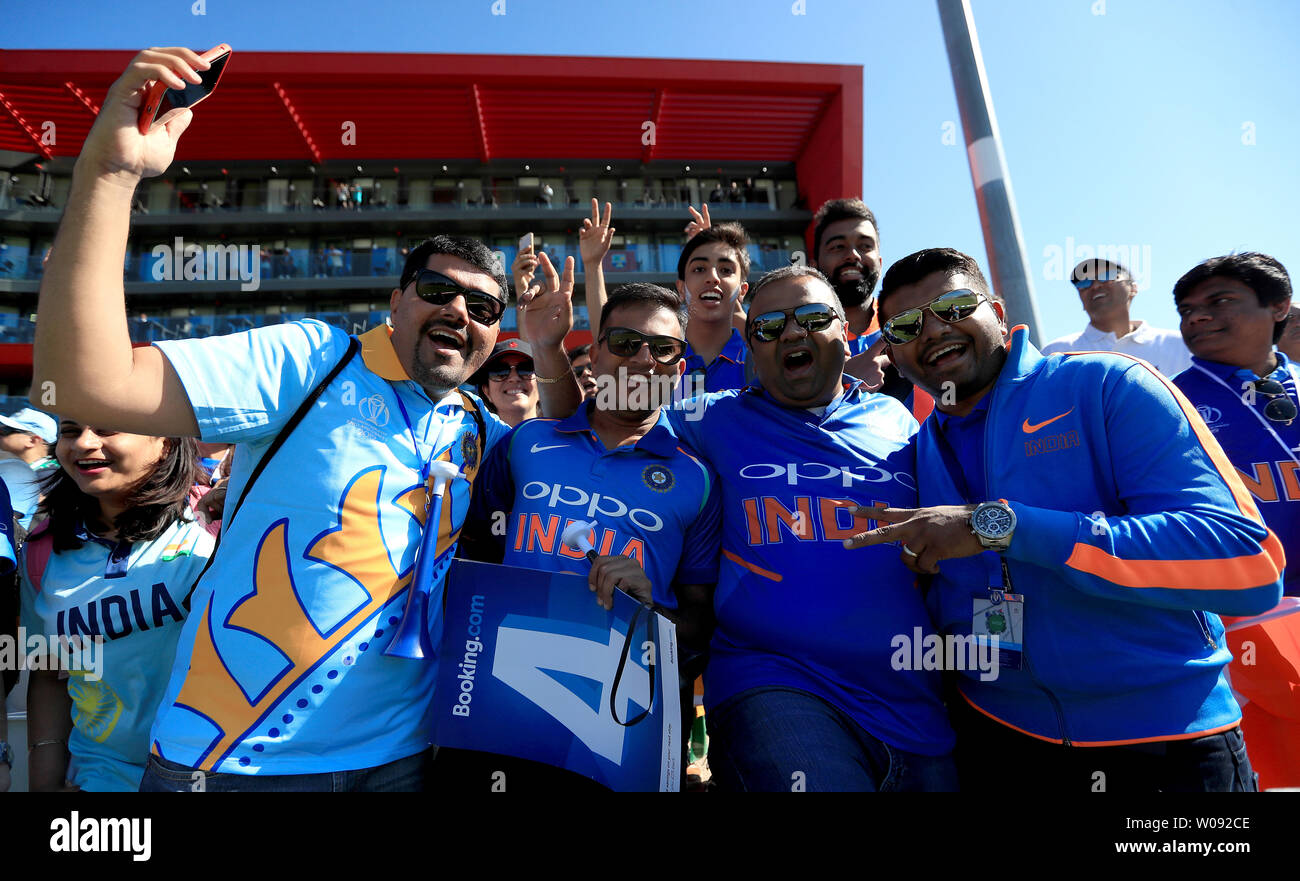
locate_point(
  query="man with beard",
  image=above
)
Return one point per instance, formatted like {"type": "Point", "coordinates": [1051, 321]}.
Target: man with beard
{"type": "Point", "coordinates": [1077, 518]}
{"type": "Point", "coordinates": [281, 681]}
{"type": "Point", "coordinates": [846, 248]}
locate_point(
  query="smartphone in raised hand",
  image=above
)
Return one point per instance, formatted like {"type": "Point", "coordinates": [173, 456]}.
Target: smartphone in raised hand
{"type": "Point", "coordinates": [525, 241]}
{"type": "Point", "coordinates": [161, 103]}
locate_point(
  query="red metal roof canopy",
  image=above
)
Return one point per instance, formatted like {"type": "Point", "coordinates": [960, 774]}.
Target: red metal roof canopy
{"type": "Point", "coordinates": [287, 105]}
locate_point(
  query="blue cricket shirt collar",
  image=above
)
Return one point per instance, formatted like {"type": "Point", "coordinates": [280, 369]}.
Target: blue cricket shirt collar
{"type": "Point", "coordinates": [659, 440]}
{"type": "Point", "coordinates": [1228, 371]}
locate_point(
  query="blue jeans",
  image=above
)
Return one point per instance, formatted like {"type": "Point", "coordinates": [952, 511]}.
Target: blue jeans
{"type": "Point", "coordinates": [781, 739]}
{"type": "Point", "coordinates": [402, 775]}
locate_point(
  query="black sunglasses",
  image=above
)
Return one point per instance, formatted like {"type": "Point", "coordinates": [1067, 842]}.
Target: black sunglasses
{"type": "Point", "coordinates": [499, 374]}
{"type": "Point", "coordinates": [438, 289]}
{"type": "Point", "coordinates": [950, 307]}
{"type": "Point", "coordinates": [812, 317]}
{"type": "Point", "coordinates": [625, 343]}
{"type": "Point", "coordinates": [1280, 408]}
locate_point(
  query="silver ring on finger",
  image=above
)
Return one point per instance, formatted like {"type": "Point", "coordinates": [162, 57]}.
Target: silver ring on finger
{"type": "Point", "coordinates": [909, 551]}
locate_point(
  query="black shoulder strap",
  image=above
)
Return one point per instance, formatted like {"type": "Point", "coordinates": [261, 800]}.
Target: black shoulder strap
{"type": "Point", "coordinates": [354, 346]}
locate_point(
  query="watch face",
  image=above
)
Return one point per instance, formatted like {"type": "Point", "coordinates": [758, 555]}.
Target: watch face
{"type": "Point", "coordinates": [993, 521]}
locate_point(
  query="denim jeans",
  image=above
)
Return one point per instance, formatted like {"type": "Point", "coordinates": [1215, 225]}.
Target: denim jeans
{"type": "Point", "coordinates": [402, 775]}
{"type": "Point", "coordinates": [1214, 763]}
{"type": "Point", "coordinates": [775, 739]}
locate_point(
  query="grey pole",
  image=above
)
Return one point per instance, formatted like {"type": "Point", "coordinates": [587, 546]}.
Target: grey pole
{"type": "Point", "coordinates": [1008, 263]}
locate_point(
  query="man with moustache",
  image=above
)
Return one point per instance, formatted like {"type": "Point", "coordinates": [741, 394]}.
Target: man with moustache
{"type": "Point", "coordinates": [800, 688]}
{"type": "Point", "coordinates": [1077, 516]}
{"type": "Point", "coordinates": [281, 681]}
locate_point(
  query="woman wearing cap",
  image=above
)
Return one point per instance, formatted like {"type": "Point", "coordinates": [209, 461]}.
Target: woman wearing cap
{"type": "Point", "coordinates": [106, 579]}
{"type": "Point", "coordinates": [507, 384]}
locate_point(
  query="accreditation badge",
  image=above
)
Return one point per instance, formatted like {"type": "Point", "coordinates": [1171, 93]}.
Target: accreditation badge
{"type": "Point", "coordinates": [998, 621]}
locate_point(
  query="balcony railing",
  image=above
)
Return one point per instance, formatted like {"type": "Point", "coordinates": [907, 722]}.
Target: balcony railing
{"type": "Point", "coordinates": [324, 263]}
{"type": "Point", "coordinates": [387, 196]}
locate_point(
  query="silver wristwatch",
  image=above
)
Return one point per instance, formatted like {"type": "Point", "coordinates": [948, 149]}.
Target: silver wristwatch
{"type": "Point", "coordinates": [994, 523]}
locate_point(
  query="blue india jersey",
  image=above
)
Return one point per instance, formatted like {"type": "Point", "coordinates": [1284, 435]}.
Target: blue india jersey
{"type": "Point", "coordinates": [794, 607]}
{"type": "Point", "coordinates": [727, 371]}
{"type": "Point", "coordinates": [280, 668]}
{"type": "Point", "coordinates": [131, 600]}
{"type": "Point", "coordinates": [1265, 453]}
{"type": "Point", "coordinates": [653, 501]}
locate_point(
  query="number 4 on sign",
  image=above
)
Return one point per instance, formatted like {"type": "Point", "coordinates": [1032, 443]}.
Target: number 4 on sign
{"type": "Point", "coordinates": [514, 663]}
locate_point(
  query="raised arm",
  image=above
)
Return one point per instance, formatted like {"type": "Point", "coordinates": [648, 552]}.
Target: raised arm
{"type": "Point", "coordinates": [593, 242]}
{"type": "Point", "coordinates": [545, 319]}
{"type": "Point", "coordinates": [84, 365]}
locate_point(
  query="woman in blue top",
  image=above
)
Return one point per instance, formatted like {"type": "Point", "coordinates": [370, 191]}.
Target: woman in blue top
{"type": "Point", "coordinates": [105, 580]}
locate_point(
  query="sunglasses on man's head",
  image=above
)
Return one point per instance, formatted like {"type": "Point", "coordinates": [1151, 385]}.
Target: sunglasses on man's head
{"type": "Point", "coordinates": [626, 342]}
{"type": "Point", "coordinates": [951, 307]}
{"type": "Point", "coordinates": [438, 289]}
{"type": "Point", "coordinates": [1280, 408]}
{"type": "Point", "coordinates": [812, 317]}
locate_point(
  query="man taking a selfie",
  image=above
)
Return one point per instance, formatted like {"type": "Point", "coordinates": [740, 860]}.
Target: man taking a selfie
{"type": "Point", "coordinates": [281, 679]}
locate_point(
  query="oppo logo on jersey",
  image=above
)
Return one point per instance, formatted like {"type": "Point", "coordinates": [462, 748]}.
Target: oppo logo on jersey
{"type": "Point", "coordinates": [591, 504]}
{"type": "Point", "coordinates": [794, 471]}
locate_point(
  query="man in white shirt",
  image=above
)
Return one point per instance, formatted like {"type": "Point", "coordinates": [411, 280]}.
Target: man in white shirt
{"type": "Point", "coordinates": [1107, 291]}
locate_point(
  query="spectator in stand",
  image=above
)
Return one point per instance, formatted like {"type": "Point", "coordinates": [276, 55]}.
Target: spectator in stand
{"type": "Point", "coordinates": [800, 687]}
{"type": "Point", "coordinates": [26, 441]}
{"type": "Point", "coordinates": [580, 358]}
{"type": "Point", "coordinates": [668, 553]}
{"type": "Point", "coordinates": [711, 280]}
{"type": "Point", "coordinates": [287, 687]}
{"type": "Point", "coordinates": [1233, 310]}
{"type": "Point", "coordinates": [114, 563]}
{"type": "Point", "coordinates": [1076, 520]}
{"type": "Point", "coordinates": [1106, 290]}
{"type": "Point", "coordinates": [507, 382]}
{"type": "Point", "coordinates": [1290, 342]}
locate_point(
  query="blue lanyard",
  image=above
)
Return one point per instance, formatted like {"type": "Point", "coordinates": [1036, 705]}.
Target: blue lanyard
{"type": "Point", "coordinates": [410, 428]}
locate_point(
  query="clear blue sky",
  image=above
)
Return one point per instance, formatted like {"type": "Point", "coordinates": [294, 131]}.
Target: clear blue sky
{"type": "Point", "coordinates": [1124, 128]}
